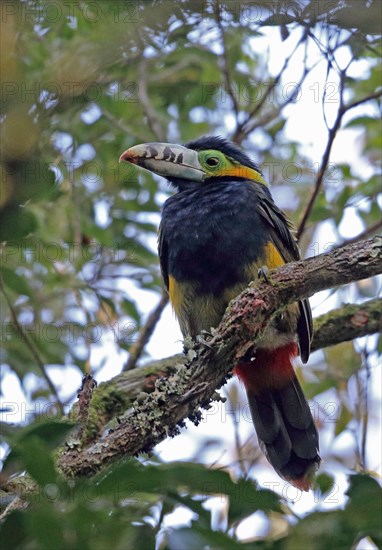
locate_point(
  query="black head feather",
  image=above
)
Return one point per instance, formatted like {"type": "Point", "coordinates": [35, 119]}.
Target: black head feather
{"type": "Point", "coordinates": [226, 147]}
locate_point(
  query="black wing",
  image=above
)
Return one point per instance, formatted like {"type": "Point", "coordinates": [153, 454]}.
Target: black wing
{"type": "Point", "coordinates": [284, 241]}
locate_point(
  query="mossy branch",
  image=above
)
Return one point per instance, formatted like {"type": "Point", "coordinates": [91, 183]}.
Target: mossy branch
{"type": "Point", "coordinates": [159, 414]}
{"type": "Point", "coordinates": [112, 399]}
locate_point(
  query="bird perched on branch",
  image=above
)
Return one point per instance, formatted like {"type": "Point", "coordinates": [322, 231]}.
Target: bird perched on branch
{"type": "Point", "coordinates": [216, 232]}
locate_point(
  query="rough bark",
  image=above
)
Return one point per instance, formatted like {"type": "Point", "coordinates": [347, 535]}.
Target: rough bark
{"type": "Point", "coordinates": [347, 323]}
{"type": "Point", "coordinates": [159, 414]}
{"type": "Point", "coordinates": [112, 399]}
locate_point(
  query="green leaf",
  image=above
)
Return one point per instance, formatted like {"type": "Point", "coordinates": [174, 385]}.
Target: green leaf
{"type": "Point", "coordinates": [244, 496]}
{"type": "Point", "coordinates": [52, 432]}
{"type": "Point", "coordinates": [13, 530]}
{"type": "Point", "coordinates": [321, 213]}
{"type": "Point", "coordinates": [364, 490]}
{"type": "Point", "coordinates": [131, 309]}
{"type": "Point", "coordinates": [14, 281]}
{"type": "Point", "coordinates": [360, 121]}
{"type": "Point", "coordinates": [16, 223]}
{"type": "Point", "coordinates": [379, 344]}
{"type": "Point", "coordinates": [32, 450]}
{"type": "Point", "coordinates": [196, 478]}
{"type": "Point", "coordinates": [46, 527]}
{"type": "Point", "coordinates": [324, 482]}
{"type": "Point", "coordinates": [278, 19]}
{"type": "Point", "coordinates": [322, 530]}
{"type": "Point", "coordinates": [38, 461]}
{"type": "Point", "coordinates": [344, 419]}
{"type": "Point", "coordinates": [342, 528]}
{"type": "Point", "coordinates": [196, 506]}
{"type": "Point", "coordinates": [248, 498]}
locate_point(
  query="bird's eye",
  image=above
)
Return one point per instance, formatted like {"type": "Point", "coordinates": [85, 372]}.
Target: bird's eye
{"type": "Point", "coordinates": [212, 161]}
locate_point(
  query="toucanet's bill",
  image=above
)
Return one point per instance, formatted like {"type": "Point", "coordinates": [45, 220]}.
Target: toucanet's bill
{"type": "Point", "coordinates": [218, 229]}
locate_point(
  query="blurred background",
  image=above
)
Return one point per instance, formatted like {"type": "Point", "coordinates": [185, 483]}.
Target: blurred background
{"type": "Point", "coordinates": [298, 86]}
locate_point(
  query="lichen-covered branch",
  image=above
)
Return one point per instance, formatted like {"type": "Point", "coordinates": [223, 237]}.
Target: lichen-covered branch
{"type": "Point", "coordinates": [155, 416]}
{"type": "Point", "coordinates": [112, 399]}
{"type": "Point", "coordinates": [347, 323]}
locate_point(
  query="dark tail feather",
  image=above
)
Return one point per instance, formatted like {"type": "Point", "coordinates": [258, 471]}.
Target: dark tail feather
{"type": "Point", "coordinates": [281, 415]}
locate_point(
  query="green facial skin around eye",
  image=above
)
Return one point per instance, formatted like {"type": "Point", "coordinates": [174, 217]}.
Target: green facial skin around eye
{"type": "Point", "coordinates": [215, 163]}
{"type": "Point", "coordinates": [212, 161]}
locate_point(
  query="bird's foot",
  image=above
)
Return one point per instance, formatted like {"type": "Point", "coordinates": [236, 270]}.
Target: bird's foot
{"type": "Point", "coordinates": [262, 273]}
{"type": "Point", "coordinates": [202, 338]}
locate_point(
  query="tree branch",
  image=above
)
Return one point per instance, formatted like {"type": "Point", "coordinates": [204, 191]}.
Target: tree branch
{"type": "Point", "coordinates": [225, 63]}
{"type": "Point", "coordinates": [324, 163]}
{"type": "Point", "coordinates": [347, 323]}
{"type": "Point", "coordinates": [376, 95]}
{"type": "Point", "coordinates": [367, 232]}
{"type": "Point", "coordinates": [325, 159]}
{"type": "Point", "coordinates": [32, 348]}
{"type": "Point", "coordinates": [160, 414]}
{"type": "Point", "coordinates": [250, 122]}
{"type": "Point", "coordinates": [145, 333]}
{"type": "Point", "coordinates": [114, 397]}
{"type": "Point", "coordinates": [121, 125]}
{"type": "Point", "coordinates": [148, 108]}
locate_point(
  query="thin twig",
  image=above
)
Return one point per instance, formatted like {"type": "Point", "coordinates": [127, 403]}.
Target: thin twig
{"type": "Point", "coordinates": [369, 231]}
{"type": "Point", "coordinates": [31, 347]}
{"type": "Point", "coordinates": [224, 62]}
{"type": "Point", "coordinates": [268, 117]}
{"type": "Point", "coordinates": [358, 415]}
{"type": "Point", "coordinates": [77, 233]}
{"type": "Point", "coordinates": [84, 397]}
{"type": "Point", "coordinates": [365, 411]}
{"type": "Point", "coordinates": [17, 503]}
{"type": "Point", "coordinates": [152, 117]}
{"type": "Point", "coordinates": [168, 74]}
{"type": "Point", "coordinates": [249, 124]}
{"type": "Point", "coordinates": [145, 333]}
{"type": "Point", "coordinates": [332, 134]}
{"type": "Point", "coordinates": [240, 460]}
{"type": "Point", "coordinates": [324, 163]}
{"type": "Point", "coordinates": [376, 95]}
{"type": "Point", "coordinates": [328, 69]}
{"type": "Point", "coordinates": [121, 125]}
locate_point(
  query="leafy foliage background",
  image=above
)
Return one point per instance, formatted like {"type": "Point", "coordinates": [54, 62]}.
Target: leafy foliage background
{"type": "Point", "coordinates": [83, 81]}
